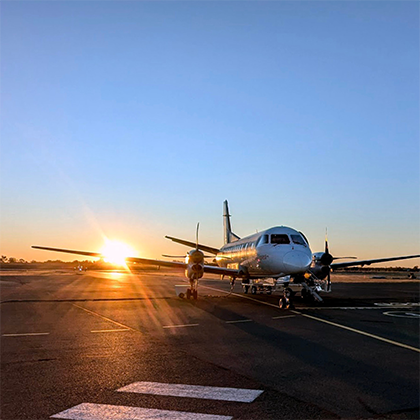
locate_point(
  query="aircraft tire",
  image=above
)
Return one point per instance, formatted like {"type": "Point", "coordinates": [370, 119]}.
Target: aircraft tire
{"type": "Point", "coordinates": [188, 293]}
{"type": "Point", "coordinates": [195, 294]}
{"type": "Point", "coordinates": [284, 303]}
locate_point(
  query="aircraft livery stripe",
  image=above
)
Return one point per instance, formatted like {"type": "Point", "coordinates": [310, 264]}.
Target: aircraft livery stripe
{"type": "Point", "coordinates": [89, 411]}
{"type": "Point", "coordinates": [193, 391]}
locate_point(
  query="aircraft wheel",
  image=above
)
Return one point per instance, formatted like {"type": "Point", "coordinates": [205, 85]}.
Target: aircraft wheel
{"type": "Point", "coordinates": [188, 293]}
{"type": "Point", "coordinates": [246, 288]}
{"type": "Point", "coordinates": [253, 290]}
{"type": "Point", "coordinates": [195, 294]}
{"type": "Point", "coordinates": [269, 291]}
{"type": "Point", "coordinates": [284, 303]}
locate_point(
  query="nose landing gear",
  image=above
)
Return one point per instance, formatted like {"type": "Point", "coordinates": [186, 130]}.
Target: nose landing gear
{"type": "Point", "coordinates": [192, 291]}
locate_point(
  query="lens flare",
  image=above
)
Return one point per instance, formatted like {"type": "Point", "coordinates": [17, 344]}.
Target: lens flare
{"type": "Point", "coordinates": [116, 252]}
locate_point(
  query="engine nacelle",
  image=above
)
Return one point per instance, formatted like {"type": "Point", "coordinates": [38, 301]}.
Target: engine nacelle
{"type": "Point", "coordinates": [320, 265]}
{"type": "Point", "coordinates": [195, 264]}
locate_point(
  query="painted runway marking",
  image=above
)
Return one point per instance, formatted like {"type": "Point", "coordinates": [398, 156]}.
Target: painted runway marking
{"type": "Point", "coordinates": [402, 314]}
{"type": "Point", "coordinates": [23, 334]}
{"type": "Point", "coordinates": [89, 411]}
{"type": "Point", "coordinates": [194, 391]}
{"type": "Point", "coordinates": [360, 332]}
{"type": "Point", "coordinates": [283, 316]}
{"type": "Point", "coordinates": [104, 317]}
{"type": "Point", "coordinates": [180, 326]}
{"type": "Point", "coordinates": [238, 321]}
{"type": "Point", "coordinates": [106, 331]}
{"type": "Point", "coordinates": [241, 296]}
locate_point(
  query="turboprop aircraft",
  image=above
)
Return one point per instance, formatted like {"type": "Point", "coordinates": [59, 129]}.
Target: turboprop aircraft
{"type": "Point", "coordinates": [280, 253]}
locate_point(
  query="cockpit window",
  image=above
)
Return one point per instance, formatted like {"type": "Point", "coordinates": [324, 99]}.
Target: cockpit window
{"type": "Point", "coordinates": [297, 239]}
{"type": "Point", "coordinates": [304, 237]}
{"type": "Point", "coordinates": [263, 240]}
{"type": "Point", "coordinates": [280, 239]}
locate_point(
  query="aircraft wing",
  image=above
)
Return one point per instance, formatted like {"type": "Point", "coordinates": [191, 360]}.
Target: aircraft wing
{"type": "Point", "coordinates": [181, 265]}
{"type": "Point", "coordinates": [70, 251]}
{"type": "Point", "coordinates": [129, 259]}
{"type": "Point", "coordinates": [193, 245]}
{"type": "Point", "coordinates": [368, 262]}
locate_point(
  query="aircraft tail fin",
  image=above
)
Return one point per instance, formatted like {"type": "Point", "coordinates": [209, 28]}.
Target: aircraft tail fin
{"type": "Point", "coordinates": [229, 236]}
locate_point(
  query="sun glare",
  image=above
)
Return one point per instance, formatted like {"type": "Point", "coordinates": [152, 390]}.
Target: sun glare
{"type": "Point", "coordinates": [116, 252]}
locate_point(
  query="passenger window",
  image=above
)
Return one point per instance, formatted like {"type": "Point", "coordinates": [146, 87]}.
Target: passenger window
{"type": "Point", "coordinates": [280, 239]}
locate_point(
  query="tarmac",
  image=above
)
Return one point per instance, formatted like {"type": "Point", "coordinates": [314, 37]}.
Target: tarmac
{"type": "Point", "coordinates": [114, 345]}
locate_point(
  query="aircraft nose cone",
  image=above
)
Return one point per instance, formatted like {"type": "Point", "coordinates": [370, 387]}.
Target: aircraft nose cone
{"type": "Point", "coordinates": [296, 261]}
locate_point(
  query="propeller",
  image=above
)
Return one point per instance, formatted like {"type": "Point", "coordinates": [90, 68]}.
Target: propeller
{"type": "Point", "coordinates": [196, 247]}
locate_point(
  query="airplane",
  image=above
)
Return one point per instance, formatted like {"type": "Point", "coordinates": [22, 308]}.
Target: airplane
{"type": "Point", "coordinates": [279, 253]}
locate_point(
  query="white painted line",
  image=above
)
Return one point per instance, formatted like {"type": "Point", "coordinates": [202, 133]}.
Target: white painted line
{"type": "Point", "coordinates": [241, 296]}
{"type": "Point", "coordinates": [89, 411]}
{"type": "Point", "coordinates": [395, 343]}
{"type": "Point", "coordinates": [402, 314]}
{"type": "Point", "coordinates": [238, 321]}
{"type": "Point", "coordinates": [105, 331]}
{"type": "Point", "coordinates": [104, 317]}
{"type": "Point", "coordinates": [23, 335]}
{"type": "Point", "coordinates": [194, 391]}
{"type": "Point", "coordinates": [284, 316]}
{"type": "Point", "coordinates": [180, 326]}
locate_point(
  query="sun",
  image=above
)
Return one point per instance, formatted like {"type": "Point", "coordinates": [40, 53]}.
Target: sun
{"type": "Point", "coordinates": [115, 252]}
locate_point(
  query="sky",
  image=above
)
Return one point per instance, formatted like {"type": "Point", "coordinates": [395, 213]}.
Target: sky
{"type": "Point", "coordinates": [136, 119]}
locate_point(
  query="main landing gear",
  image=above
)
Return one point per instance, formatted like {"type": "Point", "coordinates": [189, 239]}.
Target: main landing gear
{"type": "Point", "coordinates": [192, 291]}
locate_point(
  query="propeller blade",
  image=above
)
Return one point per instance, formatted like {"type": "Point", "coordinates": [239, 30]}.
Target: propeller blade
{"type": "Point", "coordinates": [196, 236]}
{"type": "Point", "coordinates": [326, 258]}
{"type": "Point", "coordinates": [326, 241]}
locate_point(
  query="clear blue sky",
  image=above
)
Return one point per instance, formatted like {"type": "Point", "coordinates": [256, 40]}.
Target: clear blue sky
{"type": "Point", "coordinates": [137, 119]}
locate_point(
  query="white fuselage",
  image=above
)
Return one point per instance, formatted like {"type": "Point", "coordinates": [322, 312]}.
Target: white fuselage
{"type": "Point", "coordinates": [275, 252]}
